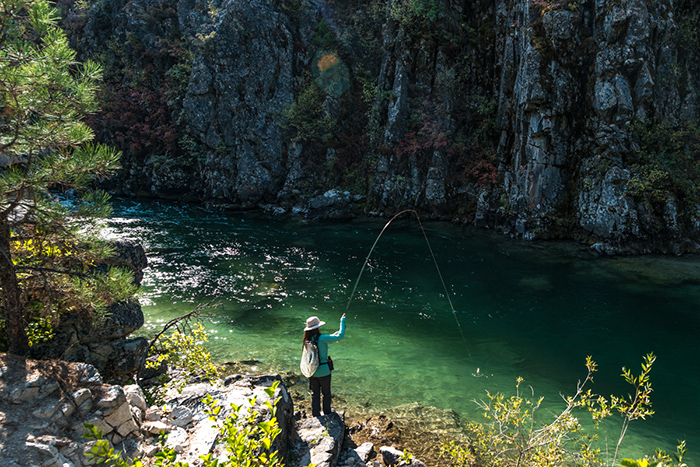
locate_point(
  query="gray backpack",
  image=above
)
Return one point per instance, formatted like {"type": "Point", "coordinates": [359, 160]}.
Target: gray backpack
{"type": "Point", "coordinates": [309, 357]}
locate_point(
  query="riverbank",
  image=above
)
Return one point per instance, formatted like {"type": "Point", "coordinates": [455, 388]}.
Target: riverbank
{"type": "Point", "coordinates": [44, 406]}
{"type": "Point", "coordinates": [418, 428]}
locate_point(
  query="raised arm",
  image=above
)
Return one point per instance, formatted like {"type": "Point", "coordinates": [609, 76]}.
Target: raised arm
{"type": "Point", "coordinates": [337, 335]}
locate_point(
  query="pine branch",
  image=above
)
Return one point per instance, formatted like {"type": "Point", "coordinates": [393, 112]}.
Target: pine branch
{"type": "Point", "coordinates": [66, 272]}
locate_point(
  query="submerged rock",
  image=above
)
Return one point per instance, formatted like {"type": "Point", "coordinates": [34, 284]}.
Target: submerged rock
{"type": "Point", "coordinates": [393, 456]}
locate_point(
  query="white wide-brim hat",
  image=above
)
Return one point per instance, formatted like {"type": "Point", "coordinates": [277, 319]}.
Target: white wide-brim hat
{"type": "Point", "coordinates": [313, 323]}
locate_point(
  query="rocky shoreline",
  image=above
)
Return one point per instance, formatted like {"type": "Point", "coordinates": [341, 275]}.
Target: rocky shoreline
{"type": "Point", "coordinates": [44, 406]}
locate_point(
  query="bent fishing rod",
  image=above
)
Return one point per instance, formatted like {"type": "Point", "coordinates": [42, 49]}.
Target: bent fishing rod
{"type": "Point", "coordinates": [432, 255]}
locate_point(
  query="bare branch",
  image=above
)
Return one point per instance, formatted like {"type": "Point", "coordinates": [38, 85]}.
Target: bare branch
{"type": "Point", "coordinates": [175, 322]}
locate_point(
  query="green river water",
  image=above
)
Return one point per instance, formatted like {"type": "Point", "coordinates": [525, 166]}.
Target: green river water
{"type": "Point", "coordinates": [522, 309]}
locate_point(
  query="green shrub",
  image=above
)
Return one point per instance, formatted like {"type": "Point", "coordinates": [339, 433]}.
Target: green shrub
{"type": "Point", "coordinates": [306, 119]}
{"type": "Point", "coordinates": [183, 349]}
{"type": "Point", "coordinates": [516, 435]}
{"type": "Point", "coordinates": [324, 37]}
{"type": "Point", "coordinates": [406, 11]}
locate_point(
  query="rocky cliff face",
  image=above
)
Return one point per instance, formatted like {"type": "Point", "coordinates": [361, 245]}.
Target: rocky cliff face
{"type": "Point", "coordinates": [542, 118]}
{"type": "Point", "coordinates": [236, 92]}
{"type": "Point", "coordinates": [579, 87]}
{"type": "Point", "coordinates": [571, 79]}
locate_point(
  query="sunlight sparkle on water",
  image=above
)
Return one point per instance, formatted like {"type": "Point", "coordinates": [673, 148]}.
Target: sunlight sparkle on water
{"type": "Point", "coordinates": [525, 309]}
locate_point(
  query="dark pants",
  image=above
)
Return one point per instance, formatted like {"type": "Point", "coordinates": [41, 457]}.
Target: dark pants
{"type": "Point", "coordinates": [320, 386]}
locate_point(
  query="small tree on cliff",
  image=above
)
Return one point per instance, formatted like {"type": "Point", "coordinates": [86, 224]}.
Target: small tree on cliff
{"type": "Point", "coordinates": [47, 247]}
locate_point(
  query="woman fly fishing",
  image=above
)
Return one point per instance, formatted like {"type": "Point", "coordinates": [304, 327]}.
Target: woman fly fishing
{"type": "Point", "coordinates": [320, 381]}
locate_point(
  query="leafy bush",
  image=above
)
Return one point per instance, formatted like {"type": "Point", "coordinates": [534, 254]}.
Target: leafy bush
{"type": "Point", "coordinates": [182, 349]}
{"type": "Point", "coordinates": [324, 37]}
{"type": "Point", "coordinates": [428, 137]}
{"type": "Point", "coordinates": [477, 161]}
{"type": "Point", "coordinates": [61, 276]}
{"type": "Point", "coordinates": [306, 118]}
{"type": "Point", "coordinates": [689, 32]}
{"type": "Point", "coordinates": [473, 155]}
{"type": "Point", "coordinates": [406, 11]}
{"type": "Point", "coordinates": [515, 434]}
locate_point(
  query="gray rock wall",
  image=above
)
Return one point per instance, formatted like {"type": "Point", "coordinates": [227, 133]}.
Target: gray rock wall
{"type": "Point", "coordinates": [570, 82]}
{"type": "Point", "coordinates": [608, 64]}
{"type": "Point", "coordinates": [240, 83]}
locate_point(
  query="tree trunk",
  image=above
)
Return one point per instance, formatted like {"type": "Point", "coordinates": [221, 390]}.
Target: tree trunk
{"type": "Point", "coordinates": [17, 341]}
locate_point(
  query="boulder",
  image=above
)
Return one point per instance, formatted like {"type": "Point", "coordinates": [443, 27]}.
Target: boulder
{"type": "Point", "coordinates": [319, 440]}
{"type": "Point", "coordinates": [130, 255]}
{"type": "Point", "coordinates": [239, 84]}
{"type": "Point", "coordinates": [184, 409]}
{"type": "Point", "coordinates": [359, 456]}
{"type": "Point", "coordinates": [393, 456]}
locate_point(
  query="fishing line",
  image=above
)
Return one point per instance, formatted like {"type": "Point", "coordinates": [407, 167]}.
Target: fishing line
{"type": "Point", "coordinates": [432, 255]}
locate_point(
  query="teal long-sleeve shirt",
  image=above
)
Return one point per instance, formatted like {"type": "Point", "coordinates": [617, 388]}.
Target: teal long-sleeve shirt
{"type": "Point", "coordinates": [323, 341]}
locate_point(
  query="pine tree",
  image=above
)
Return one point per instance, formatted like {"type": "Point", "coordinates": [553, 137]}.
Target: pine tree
{"type": "Point", "coordinates": [48, 244]}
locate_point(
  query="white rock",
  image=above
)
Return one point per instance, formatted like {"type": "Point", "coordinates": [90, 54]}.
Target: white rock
{"type": "Point", "coordinates": [100, 424]}
{"type": "Point", "coordinates": [390, 455]}
{"type": "Point", "coordinates": [81, 395]}
{"type": "Point", "coordinates": [364, 451]}
{"type": "Point", "coordinates": [180, 416]}
{"type": "Point", "coordinates": [177, 440]}
{"type": "Point", "coordinates": [67, 409]}
{"type": "Point", "coordinates": [47, 411]}
{"type": "Point", "coordinates": [21, 395]}
{"type": "Point", "coordinates": [201, 442]}
{"type": "Point", "coordinates": [120, 416]}
{"type": "Point", "coordinates": [86, 406]}
{"type": "Point", "coordinates": [62, 461]}
{"type": "Point", "coordinates": [45, 449]}
{"type": "Point", "coordinates": [112, 398]}
{"type": "Point", "coordinates": [135, 396]}
{"type": "Point", "coordinates": [155, 428]}
{"type": "Point", "coordinates": [127, 428]}
{"type": "Point", "coordinates": [150, 449]}
{"type": "Point", "coordinates": [152, 414]}
{"type": "Point", "coordinates": [49, 388]}
{"type": "Point", "coordinates": [137, 414]}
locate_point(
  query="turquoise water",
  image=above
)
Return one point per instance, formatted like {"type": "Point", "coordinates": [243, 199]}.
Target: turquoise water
{"type": "Point", "coordinates": [531, 310]}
